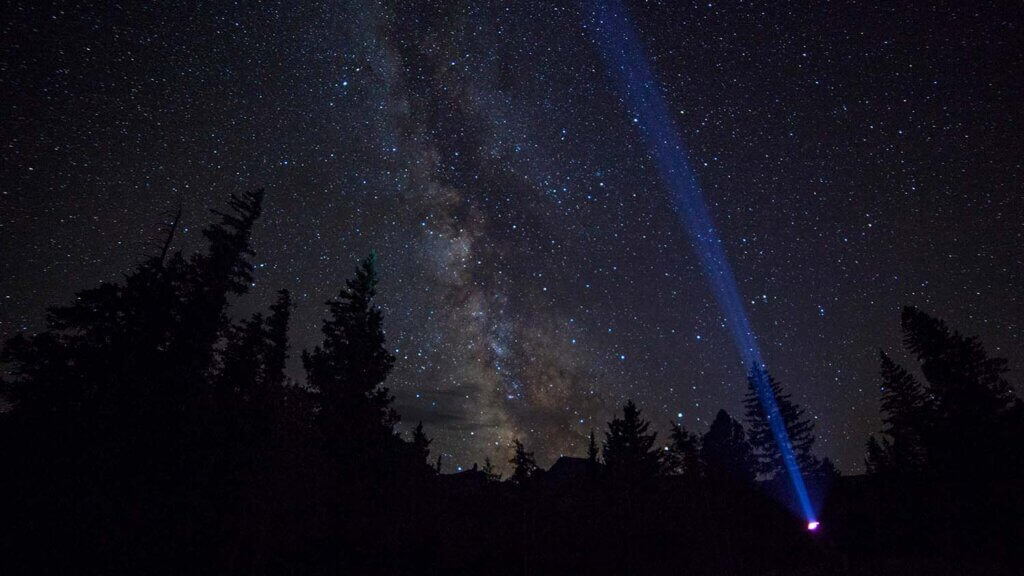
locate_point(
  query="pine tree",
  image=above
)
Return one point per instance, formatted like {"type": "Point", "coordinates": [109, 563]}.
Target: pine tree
{"type": "Point", "coordinates": [277, 339]}
{"type": "Point", "coordinates": [348, 370]}
{"type": "Point", "coordinates": [629, 453]}
{"type": "Point", "coordinates": [877, 459]}
{"type": "Point", "coordinates": [222, 271]}
{"type": "Point", "coordinates": [905, 415]}
{"type": "Point", "coordinates": [138, 354]}
{"type": "Point", "coordinates": [489, 471]}
{"type": "Point", "coordinates": [593, 464]}
{"type": "Point", "coordinates": [122, 385]}
{"type": "Point", "coordinates": [970, 411]}
{"type": "Point", "coordinates": [725, 452]}
{"type": "Point", "coordinates": [420, 444]}
{"type": "Point", "coordinates": [762, 439]}
{"type": "Point", "coordinates": [523, 464]}
{"type": "Point", "coordinates": [964, 380]}
{"type": "Point", "coordinates": [969, 389]}
{"type": "Point", "coordinates": [683, 451]}
{"type": "Point", "coordinates": [242, 360]}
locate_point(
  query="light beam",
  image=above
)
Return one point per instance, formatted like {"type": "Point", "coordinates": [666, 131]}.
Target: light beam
{"type": "Point", "coordinates": [627, 63]}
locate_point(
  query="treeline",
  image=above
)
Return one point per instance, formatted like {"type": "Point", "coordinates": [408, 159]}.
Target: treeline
{"type": "Point", "coordinates": [150, 432]}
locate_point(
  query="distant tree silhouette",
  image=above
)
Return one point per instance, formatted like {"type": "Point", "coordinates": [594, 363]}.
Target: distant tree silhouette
{"type": "Point", "coordinates": [960, 422]}
{"type": "Point", "coordinates": [348, 369]}
{"type": "Point", "coordinates": [768, 458]}
{"type": "Point", "coordinates": [630, 456]}
{"type": "Point", "coordinates": [152, 430]}
{"type": "Point", "coordinates": [876, 460]}
{"type": "Point", "coordinates": [122, 384]}
{"type": "Point", "coordinates": [277, 339]}
{"type": "Point", "coordinates": [945, 465]}
{"type": "Point", "coordinates": [222, 271]}
{"type": "Point", "coordinates": [420, 444]}
{"type": "Point", "coordinates": [243, 357]}
{"type": "Point", "coordinates": [964, 380]}
{"type": "Point", "coordinates": [724, 450]}
{"type": "Point", "coordinates": [138, 353]}
{"type": "Point", "coordinates": [593, 452]}
{"type": "Point", "coordinates": [490, 472]}
{"type": "Point", "coordinates": [683, 452]}
{"type": "Point", "coordinates": [523, 464]}
{"type": "Point", "coordinates": [968, 398]}
{"type": "Point", "coordinates": [906, 414]}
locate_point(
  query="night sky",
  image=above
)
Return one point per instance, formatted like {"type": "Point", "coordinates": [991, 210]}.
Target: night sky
{"type": "Point", "coordinates": [534, 273]}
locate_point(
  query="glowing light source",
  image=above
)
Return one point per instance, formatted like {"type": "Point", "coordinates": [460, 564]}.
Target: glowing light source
{"type": "Point", "coordinates": [627, 63]}
{"type": "Point", "coordinates": [813, 525]}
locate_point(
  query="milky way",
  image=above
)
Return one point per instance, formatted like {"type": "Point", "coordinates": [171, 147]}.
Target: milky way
{"type": "Point", "coordinates": [534, 274]}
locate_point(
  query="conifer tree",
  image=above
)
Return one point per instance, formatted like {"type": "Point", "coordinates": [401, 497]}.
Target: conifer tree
{"type": "Point", "coordinates": [966, 415]}
{"type": "Point", "coordinates": [489, 471]}
{"type": "Point", "coordinates": [420, 444]}
{"type": "Point", "coordinates": [965, 381]}
{"type": "Point", "coordinates": [277, 339]}
{"type": "Point", "coordinates": [905, 415]}
{"type": "Point", "coordinates": [593, 452]}
{"type": "Point", "coordinates": [799, 428]}
{"type": "Point", "coordinates": [592, 449]}
{"type": "Point", "coordinates": [523, 464]}
{"type": "Point", "coordinates": [629, 453]}
{"type": "Point", "coordinates": [348, 370]}
{"type": "Point", "coordinates": [242, 359]}
{"type": "Point", "coordinates": [725, 452]}
{"type": "Point", "coordinates": [877, 459]}
{"type": "Point", "coordinates": [683, 451]}
{"type": "Point", "coordinates": [971, 401]}
{"type": "Point", "coordinates": [223, 270]}
{"type": "Point", "coordinates": [139, 351]}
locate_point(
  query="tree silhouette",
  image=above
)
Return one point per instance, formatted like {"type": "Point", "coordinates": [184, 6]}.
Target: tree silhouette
{"type": "Point", "coordinates": [960, 422]}
{"type": "Point", "coordinates": [138, 353]}
{"type": "Point", "coordinates": [683, 452]}
{"type": "Point", "coordinates": [725, 451]}
{"type": "Point", "coordinates": [122, 384]}
{"type": "Point", "coordinates": [489, 471]}
{"type": "Point", "coordinates": [523, 464]}
{"type": "Point", "coordinates": [420, 444]}
{"type": "Point", "coordinates": [277, 339]}
{"type": "Point", "coordinates": [768, 458]}
{"type": "Point", "coordinates": [348, 370]}
{"type": "Point", "coordinates": [905, 415]}
{"type": "Point", "coordinates": [629, 453]}
{"type": "Point", "coordinates": [593, 464]}
{"type": "Point", "coordinates": [969, 401]}
{"type": "Point", "coordinates": [966, 383]}
{"type": "Point", "coordinates": [153, 430]}
{"type": "Point", "coordinates": [212, 276]}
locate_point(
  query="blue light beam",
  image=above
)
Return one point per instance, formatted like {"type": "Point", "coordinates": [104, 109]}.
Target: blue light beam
{"type": "Point", "coordinates": [625, 59]}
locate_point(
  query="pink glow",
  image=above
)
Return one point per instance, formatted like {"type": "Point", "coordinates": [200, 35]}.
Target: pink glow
{"type": "Point", "coordinates": [813, 525]}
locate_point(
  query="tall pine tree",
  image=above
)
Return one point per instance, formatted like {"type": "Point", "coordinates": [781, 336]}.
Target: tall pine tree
{"type": "Point", "coordinates": [683, 451]}
{"type": "Point", "coordinates": [725, 452]}
{"type": "Point", "coordinates": [906, 413]}
{"type": "Point", "coordinates": [523, 464]}
{"type": "Point", "coordinates": [630, 456]}
{"type": "Point", "coordinates": [348, 370]}
{"type": "Point", "coordinates": [800, 429]}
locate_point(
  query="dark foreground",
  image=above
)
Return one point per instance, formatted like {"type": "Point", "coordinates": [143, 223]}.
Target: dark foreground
{"type": "Point", "coordinates": [146, 431]}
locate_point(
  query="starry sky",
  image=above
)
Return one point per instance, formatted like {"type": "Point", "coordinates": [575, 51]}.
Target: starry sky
{"type": "Point", "coordinates": [534, 274]}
